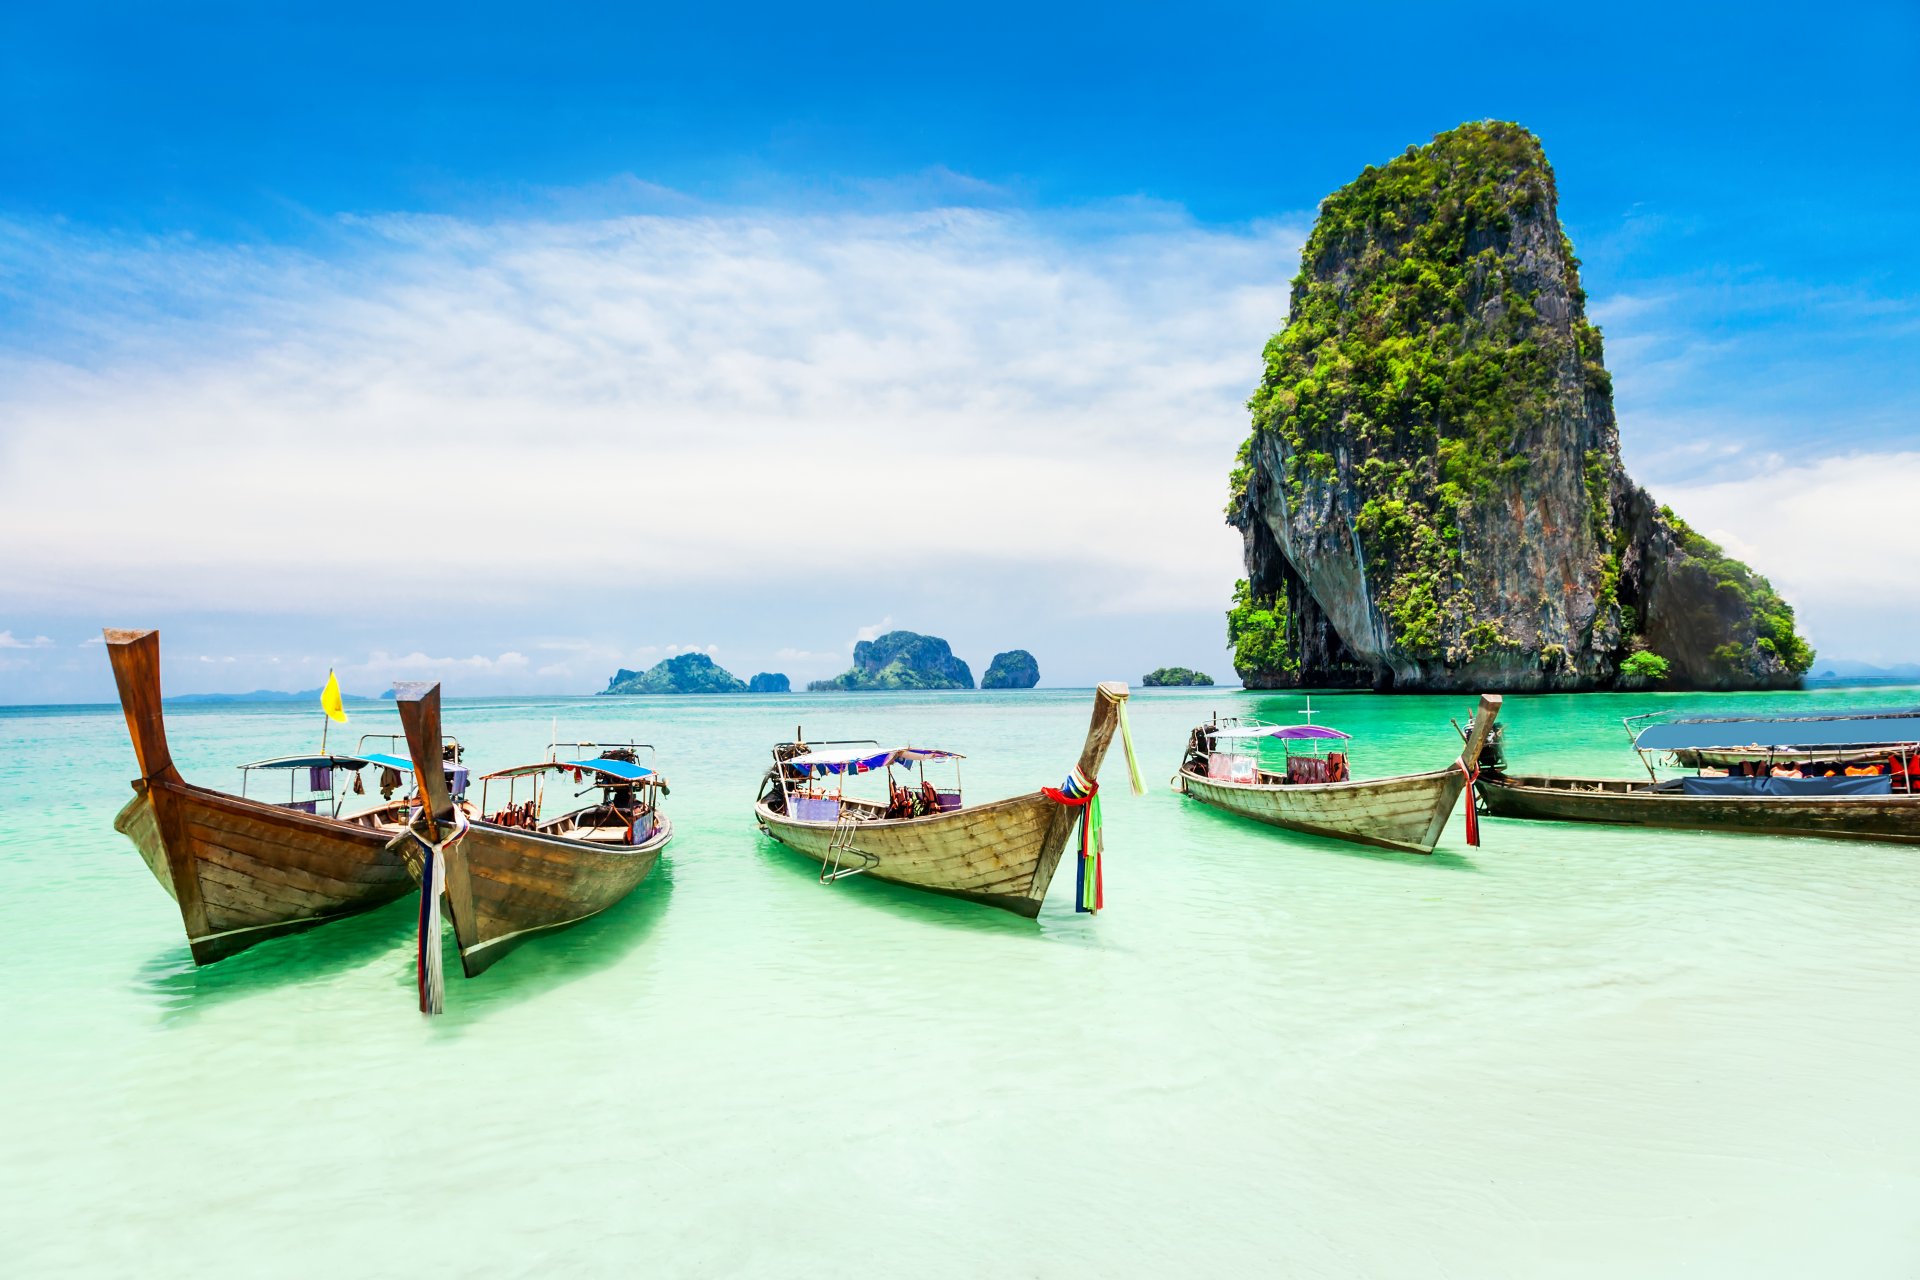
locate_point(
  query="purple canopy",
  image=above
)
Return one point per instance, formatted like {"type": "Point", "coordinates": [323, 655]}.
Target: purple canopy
{"type": "Point", "coordinates": [1297, 732]}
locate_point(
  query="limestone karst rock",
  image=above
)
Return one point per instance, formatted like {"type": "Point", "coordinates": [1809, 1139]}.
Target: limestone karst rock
{"type": "Point", "coordinates": [1432, 495]}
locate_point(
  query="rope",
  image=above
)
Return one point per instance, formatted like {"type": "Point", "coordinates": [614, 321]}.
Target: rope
{"type": "Point", "coordinates": [433, 887]}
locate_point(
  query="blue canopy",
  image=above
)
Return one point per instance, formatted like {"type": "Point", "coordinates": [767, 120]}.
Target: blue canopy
{"type": "Point", "coordinates": [621, 769]}
{"type": "Point", "coordinates": [333, 762]}
{"type": "Point", "coordinates": [1864, 729]}
{"type": "Point", "coordinates": [864, 759]}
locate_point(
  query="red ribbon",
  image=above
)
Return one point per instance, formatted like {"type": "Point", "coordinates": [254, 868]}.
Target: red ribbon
{"type": "Point", "coordinates": [1473, 811]}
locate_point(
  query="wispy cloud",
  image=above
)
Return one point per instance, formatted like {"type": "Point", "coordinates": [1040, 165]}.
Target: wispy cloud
{"type": "Point", "coordinates": [9, 641]}
{"type": "Point", "coordinates": [678, 393]}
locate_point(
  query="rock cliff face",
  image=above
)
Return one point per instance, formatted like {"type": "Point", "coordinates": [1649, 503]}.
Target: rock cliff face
{"type": "Point", "coordinates": [900, 660]}
{"type": "Point", "coordinates": [684, 673]}
{"type": "Point", "coordinates": [1432, 495]}
{"type": "Point", "coordinates": [769, 682]}
{"type": "Point", "coordinates": [1014, 669]}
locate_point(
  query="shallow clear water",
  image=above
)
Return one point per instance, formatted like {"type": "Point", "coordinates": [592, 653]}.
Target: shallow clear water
{"type": "Point", "coordinates": [1572, 1051]}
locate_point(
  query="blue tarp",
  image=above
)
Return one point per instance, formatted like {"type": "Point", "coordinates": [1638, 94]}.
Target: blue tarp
{"type": "Point", "coordinates": [1802, 788]}
{"type": "Point", "coordinates": [1866, 730]}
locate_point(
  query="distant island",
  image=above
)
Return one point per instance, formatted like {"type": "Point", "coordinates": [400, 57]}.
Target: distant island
{"type": "Point", "coordinates": [769, 682]}
{"type": "Point", "coordinates": [1014, 669]}
{"type": "Point", "coordinates": [271, 695]}
{"type": "Point", "coordinates": [899, 660]}
{"type": "Point", "coordinates": [1169, 676]}
{"type": "Point", "coordinates": [682, 673]}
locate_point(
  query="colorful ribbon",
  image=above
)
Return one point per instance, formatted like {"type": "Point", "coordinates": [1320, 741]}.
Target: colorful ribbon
{"type": "Point", "coordinates": [1082, 793]}
{"type": "Point", "coordinates": [433, 887]}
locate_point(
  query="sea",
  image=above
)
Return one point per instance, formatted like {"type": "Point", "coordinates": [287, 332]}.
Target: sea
{"type": "Point", "coordinates": [1570, 1051]}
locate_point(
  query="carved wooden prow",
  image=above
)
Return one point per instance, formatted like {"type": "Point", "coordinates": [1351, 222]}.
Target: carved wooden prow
{"type": "Point", "coordinates": [136, 670]}
{"type": "Point", "coordinates": [1106, 718]}
{"type": "Point", "coordinates": [420, 716]}
{"type": "Point", "coordinates": [1483, 718]}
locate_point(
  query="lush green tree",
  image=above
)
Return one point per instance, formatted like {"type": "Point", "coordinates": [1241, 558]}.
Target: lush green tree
{"type": "Point", "coordinates": [1645, 665]}
{"type": "Point", "coordinates": [1259, 634]}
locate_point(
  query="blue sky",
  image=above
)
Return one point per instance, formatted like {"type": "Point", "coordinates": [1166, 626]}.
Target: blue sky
{"type": "Point", "coordinates": [1024, 237]}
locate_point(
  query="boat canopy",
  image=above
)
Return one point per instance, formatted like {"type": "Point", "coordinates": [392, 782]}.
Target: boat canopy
{"type": "Point", "coordinates": [333, 762]}
{"type": "Point", "coordinates": [1894, 726]}
{"type": "Point", "coordinates": [865, 759]}
{"type": "Point", "coordinates": [1287, 733]}
{"type": "Point", "coordinates": [619, 770]}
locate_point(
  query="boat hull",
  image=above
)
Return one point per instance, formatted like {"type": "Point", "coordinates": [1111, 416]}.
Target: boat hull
{"type": "Point", "coordinates": [1629, 803]}
{"type": "Point", "coordinates": [243, 872]}
{"type": "Point", "coordinates": [507, 884]}
{"type": "Point", "coordinates": [1407, 813]}
{"type": "Point", "coordinates": [1002, 854]}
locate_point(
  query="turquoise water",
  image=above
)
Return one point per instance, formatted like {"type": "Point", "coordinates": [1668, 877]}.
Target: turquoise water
{"type": "Point", "coordinates": [1584, 1052]}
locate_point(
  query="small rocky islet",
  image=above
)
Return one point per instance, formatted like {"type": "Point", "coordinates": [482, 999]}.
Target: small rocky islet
{"type": "Point", "coordinates": [1014, 669]}
{"type": "Point", "coordinates": [1173, 677]}
{"type": "Point", "coordinates": [899, 660]}
{"type": "Point", "coordinates": [896, 660]}
{"type": "Point", "coordinates": [682, 673]}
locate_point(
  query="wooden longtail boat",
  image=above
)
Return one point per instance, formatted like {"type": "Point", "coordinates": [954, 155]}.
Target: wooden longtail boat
{"type": "Point", "coordinates": [1002, 853]}
{"type": "Point", "coordinates": [1783, 777]}
{"type": "Point", "coordinates": [514, 874]}
{"type": "Point", "coordinates": [242, 870]}
{"type": "Point", "coordinates": [1314, 794]}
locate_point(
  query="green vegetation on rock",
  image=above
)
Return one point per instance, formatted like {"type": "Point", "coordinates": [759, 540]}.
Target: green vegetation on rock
{"type": "Point", "coordinates": [1169, 677]}
{"type": "Point", "coordinates": [1014, 669]}
{"type": "Point", "coordinates": [683, 673]}
{"type": "Point", "coordinates": [769, 682]}
{"type": "Point", "coordinates": [1744, 591]}
{"type": "Point", "coordinates": [900, 660]}
{"type": "Point", "coordinates": [1258, 634]}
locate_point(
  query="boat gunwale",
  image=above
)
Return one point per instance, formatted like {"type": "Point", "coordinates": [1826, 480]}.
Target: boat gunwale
{"type": "Point", "coordinates": [1634, 789]}
{"type": "Point", "coordinates": [1294, 788]}
{"type": "Point", "coordinates": [968, 811]}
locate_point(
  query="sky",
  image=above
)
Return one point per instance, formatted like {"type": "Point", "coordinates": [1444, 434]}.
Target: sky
{"type": "Point", "coordinates": [510, 346]}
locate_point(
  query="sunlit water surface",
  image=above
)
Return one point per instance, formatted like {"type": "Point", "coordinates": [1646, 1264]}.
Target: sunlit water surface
{"type": "Point", "coordinates": [1589, 1052]}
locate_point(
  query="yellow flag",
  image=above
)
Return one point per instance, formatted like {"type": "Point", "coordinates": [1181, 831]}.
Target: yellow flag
{"type": "Point", "coordinates": [330, 700]}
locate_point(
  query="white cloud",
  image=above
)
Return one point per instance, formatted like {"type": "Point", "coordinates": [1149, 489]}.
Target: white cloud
{"type": "Point", "coordinates": [8, 641]}
{"type": "Point", "coordinates": [436, 414]}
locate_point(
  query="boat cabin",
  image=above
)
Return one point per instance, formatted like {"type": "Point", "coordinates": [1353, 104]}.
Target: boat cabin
{"type": "Point", "coordinates": [1863, 753]}
{"type": "Point", "coordinates": [1254, 753]}
{"type": "Point", "coordinates": [320, 784]}
{"type": "Point", "coordinates": [626, 809]}
{"type": "Point", "coordinates": [813, 781]}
